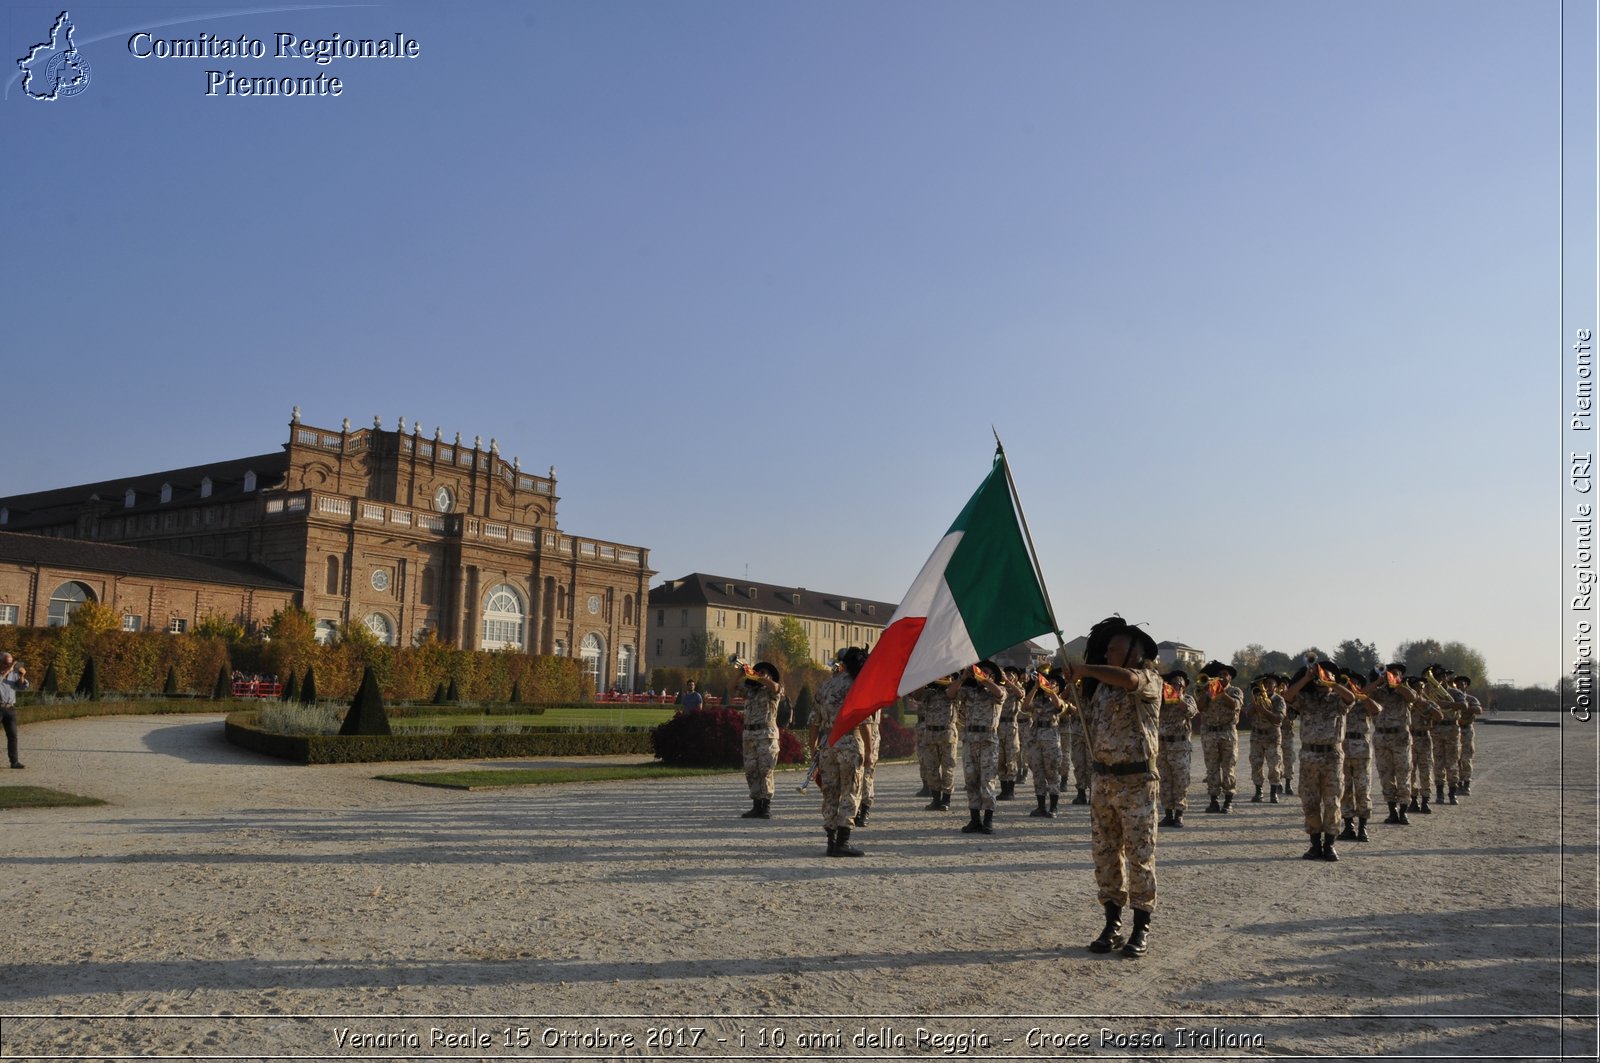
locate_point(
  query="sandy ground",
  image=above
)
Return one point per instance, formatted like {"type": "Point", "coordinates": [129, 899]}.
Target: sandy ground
{"type": "Point", "coordinates": [226, 905]}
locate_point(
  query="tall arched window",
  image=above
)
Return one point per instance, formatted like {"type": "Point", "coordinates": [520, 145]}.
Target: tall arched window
{"type": "Point", "coordinates": [592, 651]}
{"type": "Point", "coordinates": [331, 580]}
{"type": "Point", "coordinates": [381, 627]}
{"type": "Point", "coordinates": [504, 618]}
{"type": "Point", "coordinates": [625, 669]}
{"type": "Point", "coordinates": [627, 608]}
{"type": "Point", "coordinates": [65, 601]}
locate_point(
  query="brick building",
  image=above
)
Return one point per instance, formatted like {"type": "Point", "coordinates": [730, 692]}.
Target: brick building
{"type": "Point", "coordinates": [687, 613]}
{"type": "Point", "coordinates": [402, 532]}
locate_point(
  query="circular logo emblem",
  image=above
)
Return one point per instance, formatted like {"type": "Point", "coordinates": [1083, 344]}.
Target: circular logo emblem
{"type": "Point", "coordinates": [67, 73]}
{"type": "Point", "coordinates": [380, 579]}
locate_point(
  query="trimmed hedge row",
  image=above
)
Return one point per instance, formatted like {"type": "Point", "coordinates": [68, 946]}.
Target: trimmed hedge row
{"type": "Point", "coordinates": [38, 711]}
{"type": "Point", "coordinates": [242, 731]}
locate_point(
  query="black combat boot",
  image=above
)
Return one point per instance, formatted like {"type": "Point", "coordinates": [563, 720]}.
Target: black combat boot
{"type": "Point", "coordinates": [1008, 790]}
{"type": "Point", "coordinates": [1315, 852]}
{"type": "Point", "coordinates": [1166, 820]}
{"type": "Point", "coordinates": [1177, 818]}
{"type": "Point", "coordinates": [1349, 832]}
{"type": "Point", "coordinates": [1464, 788]}
{"type": "Point", "coordinates": [1055, 802]}
{"type": "Point", "coordinates": [755, 809]}
{"type": "Point", "coordinates": [833, 841]}
{"type": "Point", "coordinates": [1404, 820]}
{"type": "Point", "coordinates": [973, 825]}
{"type": "Point", "coordinates": [1452, 795]}
{"type": "Point", "coordinates": [1227, 803]}
{"type": "Point", "coordinates": [1273, 797]}
{"type": "Point", "coordinates": [861, 813]}
{"type": "Point", "coordinates": [937, 804]}
{"type": "Point", "coordinates": [1288, 787]}
{"type": "Point", "coordinates": [1327, 848]}
{"type": "Point", "coordinates": [1361, 830]}
{"type": "Point", "coordinates": [1138, 940]}
{"type": "Point", "coordinates": [1256, 800]}
{"type": "Point", "coordinates": [926, 791]}
{"type": "Point", "coordinates": [1413, 806]}
{"type": "Point", "coordinates": [1111, 936]}
{"type": "Point", "coordinates": [944, 801]}
{"type": "Point", "coordinates": [1439, 796]}
{"type": "Point", "coordinates": [1214, 806]}
{"type": "Point", "coordinates": [1082, 798]}
{"type": "Point", "coordinates": [1394, 813]}
{"type": "Point", "coordinates": [766, 808]}
{"type": "Point", "coordinates": [1425, 810]}
{"type": "Point", "coordinates": [1041, 810]}
{"type": "Point", "coordinates": [987, 827]}
{"type": "Point", "coordinates": [843, 846]}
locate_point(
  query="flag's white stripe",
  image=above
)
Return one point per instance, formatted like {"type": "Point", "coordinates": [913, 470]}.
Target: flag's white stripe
{"type": "Point", "coordinates": [919, 599]}
{"type": "Point", "coordinates": [944, 645]}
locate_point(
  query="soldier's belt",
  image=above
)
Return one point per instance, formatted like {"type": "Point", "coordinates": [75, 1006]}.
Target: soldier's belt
{"type": "Point", "coordinates": [1308, 747]}
{"type": "Point", "coordinates": [755, 730]}
{"type": "Point", "coordinates": [1137, 767]}
{"type": "Point", "coordinates": [1421, 734]}
{"type": "Point", "coordinates": [1391, 730]}
{"type": "Point", "coordinates": [1464, 726]}
{"type": "Point", "coordinates": [1176, 736]}
{"type": "Point", "coordinates": [1223, 727]}
{"type": "Point", "coordinates": [936, 727]}
{"type": "Point", "coordinates": [980, 730]}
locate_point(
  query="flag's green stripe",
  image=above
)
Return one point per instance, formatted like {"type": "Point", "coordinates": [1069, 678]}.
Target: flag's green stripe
{"type": "Point", "coordinates": [990, 575]}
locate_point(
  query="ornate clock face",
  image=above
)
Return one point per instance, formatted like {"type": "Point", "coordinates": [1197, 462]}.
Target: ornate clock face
{"type": "Point", "coordinates": [380, 579]}
{"type": "Point", "coordinates": [443, 499]}
{"type": "Point", "coordinates": [594, 603]}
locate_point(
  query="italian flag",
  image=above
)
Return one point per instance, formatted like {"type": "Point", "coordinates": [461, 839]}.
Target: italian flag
{"type": "Point", "coordinates": [977, 595]}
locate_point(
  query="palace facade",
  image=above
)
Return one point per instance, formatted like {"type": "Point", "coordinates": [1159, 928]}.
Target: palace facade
{"type": "Point", "coordinates": [404, 533]}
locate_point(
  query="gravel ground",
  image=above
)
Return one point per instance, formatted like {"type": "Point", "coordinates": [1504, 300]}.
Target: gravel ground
{"type": "Point", "coordinates": [227, 905]}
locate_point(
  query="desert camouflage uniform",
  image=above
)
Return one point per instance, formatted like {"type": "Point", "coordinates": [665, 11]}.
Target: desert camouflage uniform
{"type": "Point", "coordinates": [760, 739]}
{"type": "Point", "coordinates": [839, 769]}
{"type": "Point", "coordinates": [980, 751]}
{"type": "Point", "coordinates": [1124, 726]}
{"type": "Point", "coordinates": [1286, 733]}
{"type": "Point", "coordinates": [1391, 745]}
{"type": "Point", "coordinates": [1447, 740]}
{"type": "Point", "coordinates": [1266, 744]}
{"type": "Point", "coordinates": [1322, 717]}
{"type": "Point", "coordinates": [1355, 795]}
{"type": "Point", "coordinates": [1010, 738]}
{"type": "Point", "coordinates": [867, 789]}
{"type": "Point", "coordinates": [1044, 745]}
{"type": "Point", "coordinates": [1468, 712]}
{"type": "Point", "coordinates": [937, 752]}
{"type": "Point", "coordinates": [1077, 750]}
{"type": "Point", "coordinates": [1176, 752]}
{"type": "Point", "coordinates": [1219, 737]}
{"type": "Point", "coordinates": [1423, 714]}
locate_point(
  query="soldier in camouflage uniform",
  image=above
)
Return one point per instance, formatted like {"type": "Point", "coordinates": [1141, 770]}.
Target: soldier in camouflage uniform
{"type": "Point", "coordinates": [1391, 740]}
{"type": "Point", "coordinates": [873, 725]}
{"type": "Point", "coordinates": [937, 753]}
{"type": "Point", "coordinates": [1122, 721]}
{"type": "Point", "coordinates": [762, 692]}
{"type": "Point", "coordinates": [1466, 713]}
{"type": "Point", "coordinates": [1424, 713]}
{"type": "Point", "coordinates": [1010, 740]}
{"type": "Point", "coordinates": [839, 765]}
{"type": "Point", "coordinates": [1266, 749]}
{"type": "Point", "coordinates": [1355, 798]}
{"type": "Point", "coordinates": [1286, 734]}
{"type": "Point", "coordinates": [1077, 749]}
{"type": "Point", "coordinates": [1322, 705]}
{"type": "Point", "coordinates": [1220, 704]}
{"type": "Point", "coordinates": [979, 711]}
{"type": "Point", "coordinates": [1178, 711]}
{"type": "Point", "coordinates": [1042, 709]}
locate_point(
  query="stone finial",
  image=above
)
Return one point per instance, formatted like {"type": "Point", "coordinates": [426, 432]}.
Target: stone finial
{"type": "Point", "coordinates": [516, 464]}
{"type": "Point", "coordinates": [345, 427]}
{"type": "Point", "coordinates": [402, 423]}
{"type": "Point", "coordinates": [494, 447]}
{"type": "Point", "coordinates": [458, 439]}
{"type": "Point", "coordinates": [477, 442]}
{"type": "Point", "coordinates": [552, 472]}
{"type": "Point", "coordinates": [377, 422]}
{"type": "Point", "coordinates": [294, 417]}
{"type": "Point", "coordinates": [438, 432]}
{"type": "Point", "coordinates": [416, 427]}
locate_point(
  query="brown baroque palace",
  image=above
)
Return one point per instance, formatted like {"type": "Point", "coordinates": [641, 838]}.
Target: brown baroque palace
{"type": "Point", "coordinates": [402, 532]}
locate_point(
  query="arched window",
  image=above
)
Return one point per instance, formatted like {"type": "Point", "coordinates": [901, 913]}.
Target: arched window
{"type": "Point", "coordinates": [381, 627]}
{"type": "Point", "coordinates": [65, 601]}
{"type": "Point", "coordinates": [625, 669]}
{"type": "Point", "coordinates": [627, 608]}
{"type": "Point", "coordinates": [592, 651]}
{"type": "Point", "coordinates": [331, 581]}
{"type": "Point", "coordinates": [504, 618]}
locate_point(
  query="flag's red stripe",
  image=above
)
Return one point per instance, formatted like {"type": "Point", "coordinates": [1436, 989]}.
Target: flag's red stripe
{"type": "Point", "coordinates": [879, 682]}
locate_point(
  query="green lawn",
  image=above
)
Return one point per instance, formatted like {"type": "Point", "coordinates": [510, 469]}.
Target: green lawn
{"type": "Point", "coordinates": [41, 797]}
{"type": "Point", "coordinates": [493, 777]}
{"type": "Point", "coordinates": [597, 716]}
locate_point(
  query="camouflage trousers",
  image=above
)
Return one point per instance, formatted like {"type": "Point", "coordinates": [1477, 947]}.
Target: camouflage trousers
{"type": "Point", "coordinates": [1321, 778]}
{"type": "Point", "coordinates": [760, 757]}
{"type": "Point", "coordinates": [1446, 755]}
{"type": "Point", "coordinates": [980, 767]}
{"type": "Point", "coordinates": [839, 779]}
{"type": "Point", "coordinates": [1391, 754]}
{"type": "Point", "coordinates": [1421, 763]}
{"type": "Point", "coordinates": [1078, 756]}
{"type": "Point", "coordinates": [1010, 751]}
{"type": "Point", "coordinates": [1122, 822]}
{"type": "Point", "coordinates": [868, 788]}
{"type": "Point", "coordinates": [1044, 760]}
{"type": "Point", "coordinates": [1173, 763]}
{"type": "Point", "coordinates": [1221, 752]}
{"type": "Point", "coordinates": [1266, 753]}
{"type": "Point", "coordinates": [937, 756]}
{"type": "Point", "coordinates": [1464, 770]}
{"type": "Point", "coordinates": [1355, 796]}
{"type": "Point", "coordinates": [1286, 742]}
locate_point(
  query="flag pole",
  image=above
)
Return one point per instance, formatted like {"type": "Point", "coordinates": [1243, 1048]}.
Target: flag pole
{"type": "Point", "coordinates": [1033, 556]}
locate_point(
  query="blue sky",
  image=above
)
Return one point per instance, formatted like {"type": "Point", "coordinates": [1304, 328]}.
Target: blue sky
{"type": "Point", "coordinates": [1260, 296]}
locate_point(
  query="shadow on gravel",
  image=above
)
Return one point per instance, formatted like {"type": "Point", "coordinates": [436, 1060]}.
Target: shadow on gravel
{"type": "Point", "coordinates": [203, 742]}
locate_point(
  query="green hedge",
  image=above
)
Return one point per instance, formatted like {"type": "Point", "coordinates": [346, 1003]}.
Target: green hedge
{"type": "Point", "coordinates": [359, 749]}
{"type": "Point", "coordinates": [40, 710]}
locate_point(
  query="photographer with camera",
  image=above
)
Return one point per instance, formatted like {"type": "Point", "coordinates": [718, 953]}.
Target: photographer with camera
{"type": "Point", "coordinates": [13, 677]}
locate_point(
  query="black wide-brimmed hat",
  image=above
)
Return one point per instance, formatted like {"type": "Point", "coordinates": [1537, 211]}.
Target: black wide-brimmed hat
{"type": "Point", "coordinates": [1101, 634]}
{"type": "Point", "coordinates": [1214, 669]}
{"type": "Point", "coordinates": [1177, 674]}
{"type": "Point", "coordinates": [852, 658]}
{"type": "Point", "coordinates": [769, 669]}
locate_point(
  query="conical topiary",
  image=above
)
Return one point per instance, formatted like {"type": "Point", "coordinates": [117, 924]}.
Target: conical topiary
{"type": "Point", "coordinates": [50, 684]}
{"type": "Point", "coordinates": [453, 695]}
{"type": "Point", "coordinates": [171, 686]}
{"type": "Point", "coordinates": [88, 683]}
{"type": "Point", "coordinates": [438, 694]}
{"type": "Point", "coordinates": [308, 689]}
{"type": "Point", "coordinates": [802, 708]}
{"type": "Point", "coordinates": [222, 689]}
{"type": "Point", "coordinates": [366, 715]}
{"type": "Point", "coordinates": [292, 690]}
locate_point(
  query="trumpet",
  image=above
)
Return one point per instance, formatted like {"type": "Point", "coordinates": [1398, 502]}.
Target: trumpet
{"type": "Point", "coordinates": [1045, 680]}
{"type": "Point", "coordinates": [744, 666]}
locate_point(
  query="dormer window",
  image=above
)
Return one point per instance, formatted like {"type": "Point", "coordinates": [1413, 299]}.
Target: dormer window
{"type": "Point", "coordinates": [752, 594]}
{"type": "Point", "coordinates": [250, 481]}
{"type": "Point", "coordinates": [128, 498]}
{"type": "Point", "coordinates": [727, 588]}
{"type": "Point", "coordinates": [205, 487]}
{"type": "Point", "coordinates": [166, 492]}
